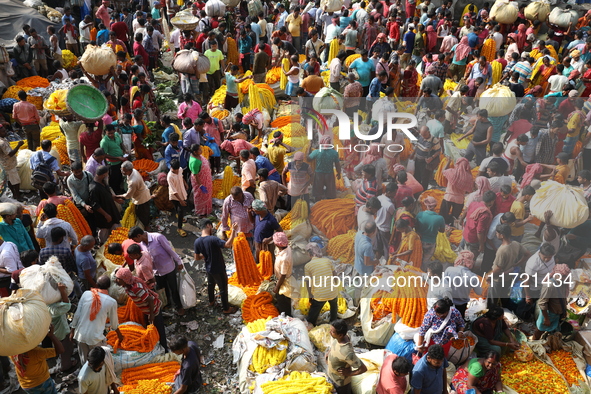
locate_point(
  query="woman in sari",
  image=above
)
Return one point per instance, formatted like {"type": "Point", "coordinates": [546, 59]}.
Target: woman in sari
{"type": "Point", "coordinates": [410, 249]}
{"type": "Point", "coordinates": [459, 182]}
{"type": "Point", "coordinates": [493, 333]}
{"type": "Point", "coordinates": [541, 74]}
{"type": "Point", "coordinates": [233, 56]}
{"type": "Point", "coordinates": [521, 37]}
{"type": "Point", "coordinates": [586, 79]}
{"type": "Point", "coordinates": [410, 78]}
{"type": "Point", "coordinates": [431, 39]}
{"type": "Point", "coordinates": [406, 212]}
{"type": "Point", "coordinates": [395, 77]}
{"type": "Point", "coordinates": [574, 123]}
{"type": "Point", "coordinates": [481, 374]}
{"type": "Point", "coordinates": [201, 181]}
{"type": "Point", "coordinates": [141, 152]}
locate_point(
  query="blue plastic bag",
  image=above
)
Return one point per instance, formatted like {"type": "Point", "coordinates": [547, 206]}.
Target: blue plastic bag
{"type": "Point", "coordinates": [588, 370]}
{"type": "Point", "coordinates": [210, 142]}
{"type": "Point", "coordinates": [400, 347]}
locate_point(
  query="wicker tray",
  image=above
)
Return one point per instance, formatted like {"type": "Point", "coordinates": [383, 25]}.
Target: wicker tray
{"type": "Point", "coordinates": [185, 22]}
{"type": "Point", "coordinates": [87, 102]}
{"type": "Point", "coordinates": [60, 112]}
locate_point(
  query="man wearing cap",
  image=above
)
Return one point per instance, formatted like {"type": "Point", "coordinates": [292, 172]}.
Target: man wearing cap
{"type": "Point", "coordinates": [265, 225]}
{"type": "Point", "coordinates": [429, 224]}
{"type": "Point", "coordinates": [432, 81]}
{"type": "Point", "coordinates": [102, 13]}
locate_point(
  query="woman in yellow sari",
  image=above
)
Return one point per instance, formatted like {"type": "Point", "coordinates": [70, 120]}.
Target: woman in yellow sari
{"type": "Point", "coordinates": [542, 72]}
{"type": "Point", "coordinates": [406, 212]}
{"type": "Point", "coordinates": [410, 249]}
{"type": "Point", "coordinates": [232, 50]}
{"type": "Point", "coordinates": [559, 171]}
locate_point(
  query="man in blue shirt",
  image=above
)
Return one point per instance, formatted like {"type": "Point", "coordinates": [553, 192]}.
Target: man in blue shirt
{"type": "Point", "coordinates": [365, 258]}
{"type": "Point", "coordinates": [262, 162]}
{"type": "Point", "coordinates": [377, 86]}
{"type": "Point", "coordinates": [174, 150]}
{"type": "Point", "coordinates": [428, 374]}
{"type": "Point", "coordinates": [409, 44]}
{"type": "Point", "coordinates": [265, 225]}
{"type": "Point", "coordinates": [365, 69]}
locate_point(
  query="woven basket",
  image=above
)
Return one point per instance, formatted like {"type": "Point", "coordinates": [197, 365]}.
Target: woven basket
{"type": "Point", "coordinates": [185, 22]}
{"type": "Point", "coordinates": [87, 102]}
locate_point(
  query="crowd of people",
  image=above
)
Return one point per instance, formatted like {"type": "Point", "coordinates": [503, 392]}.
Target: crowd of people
{"type": "Point", "coordinates": [434, 57]}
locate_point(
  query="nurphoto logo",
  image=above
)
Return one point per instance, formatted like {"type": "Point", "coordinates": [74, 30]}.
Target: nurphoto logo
{"type": "Point", "coordinates": [387, 123]}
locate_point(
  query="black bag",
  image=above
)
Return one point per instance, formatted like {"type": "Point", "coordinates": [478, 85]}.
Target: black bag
{"type": "Point", "coordinates": [43, 172]}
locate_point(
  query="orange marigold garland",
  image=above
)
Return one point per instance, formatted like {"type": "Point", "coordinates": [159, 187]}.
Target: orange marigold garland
{"type": "Point", "coordinates": [69, 213]}
{"type": "Point", "coordinates": [258, 306]}
{"type": "Point", "coordinates": [117, 236]}
{"type": "Point", "coordinates": [265, 264]}
{"type": "Point", "coordinates": [163, 372]}
{"type": "Point", "coordinates": [130, 312]}
{"type": "Point", "coordinates": [136, 338]}
{"type": "Point", "coordinates": [246, 269]}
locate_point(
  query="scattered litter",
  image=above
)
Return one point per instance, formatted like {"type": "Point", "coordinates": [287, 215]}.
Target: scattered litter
{"type": "Point", "coordinates": [192, 325]}
{"type": "Point", "coordinates": [219, 342]}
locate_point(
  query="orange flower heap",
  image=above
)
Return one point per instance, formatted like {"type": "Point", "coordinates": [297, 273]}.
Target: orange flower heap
{"type": "Point", "coordinates": [69, 213]}
{"type": "Point", "coordinates": [117, 236]}
{"type": "Point", "coordinates": [258, 306]}
{"type": "Point", "coordinates": [164, 372]}
{"type": "Point", "coordinates": [136, 338]}
{"type": "Point", "coordinates": [564, 362]}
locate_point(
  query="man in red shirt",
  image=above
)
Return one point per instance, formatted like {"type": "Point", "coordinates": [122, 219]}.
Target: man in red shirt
{"type": "Point", "coordinates": [478, 221]}
{"type": "Point", "coordinates": [503, 201]}
{"type": "Point", "coordinates": [393, 375]}
{"type": "Point", "coordinates": [26, 114]}
{"type": "Point", "coordinates": [120, 28]}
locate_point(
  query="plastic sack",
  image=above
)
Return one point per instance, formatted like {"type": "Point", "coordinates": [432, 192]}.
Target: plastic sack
{"type": "Point", "coordinates": [124, 359]}
{"type": "Point", "coordinates": [541, 8]}
{"type": "Point", "coordinates": [566, 202]}
{"type": "Point", "coordinates": [327, 98]}
{"type": "Point", "coordinates": [187, 290]}
{"type": "Point", "coordinates": [320, 336]}
{"type": "Point", "coordinates": [380, 110]}
{"type": "Point", "coordinates": [524, 353]}
{"type": "Point", "coordinates": [98, 60]}
{"type": "Point", "coordinates": [255, 7]}
{"type": "Point", "coordinates": [236, 295]}
{"type": "Point", "coordinates": [461, 348]}
{"type": "Point", "coordinates": [215, 8]}
{"type": "Point", "coordinates": [504, 11]}
{"type": "Point", "coordinates": [24, 169]}
{"type": "Point", "coordinates": [24, 322]}
{"type": "Point", "coordinates": [381, 333]}
{"type": "Point", "coordinates": [45, 278]}
{"type": "Point", "coordinates": [405, 331]}
{"type": "Point", "coordinates": [498, 100]}
{"type": "Point", "coordinates": [231, 3]}
{"type": "Point", "coordinates": [401, 347]}
{"type": "Point", "coordinates": [185, 61]}
{"type": "Point", "coordinates": [331, 5]}
{"type": "Point", "coordinates": [563, 18]}
{"type": "Point", "coordinates": [367, 382]}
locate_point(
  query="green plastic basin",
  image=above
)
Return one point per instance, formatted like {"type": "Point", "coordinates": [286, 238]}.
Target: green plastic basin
{"type": "Point", "coordinates": [87, 102]}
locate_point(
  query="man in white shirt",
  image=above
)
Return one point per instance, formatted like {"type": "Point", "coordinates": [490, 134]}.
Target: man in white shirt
{"type": "Point", "coordinates": [335, 70]}
{"type": "Point", "coordinates": [84, 28]}
{"type": "Point", "coordinates": [557, 81]}
{"type": "Point", "coordinates": [323, 20]}
{"type": "Point", "coordinates": [467, 29]}
{"type": "Point", "coordinates": [385, 215]}
{"type": "Point", "coordinates": [48, 221]}
{"type": "Point", "coordinates": [362, 15]}
{"type": "Point", "coordinates": [175, 37]}
{"type": "Point", "coordinates": [9, 262]}
{"type": "Point", "coordinates": [332, 31]}
{"type": "Point", "coordinates": [577, 63]}
{"type": "Point", "coordinates": [138, 192]}
{"type": "Point", "coordinates": [88, 325]}
{"type": "Point", "coordinates": [537, 267]}
{"type": "Point", "coordinates": [97, 376]}
{"type": "Point", "coordinates": [498, 37]}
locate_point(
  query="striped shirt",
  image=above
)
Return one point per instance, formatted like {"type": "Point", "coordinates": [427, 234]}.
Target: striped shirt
{"type": "Point", "coordinates": [319, 270]}
{"type": "Point", "coordinates": [139, 294]}
{"type": "Point", "coordinates": [238, 213]}
{"type": "Point", "coordinates": [367, 190]}
{"type": "Point", "coordinates": [524, 69]}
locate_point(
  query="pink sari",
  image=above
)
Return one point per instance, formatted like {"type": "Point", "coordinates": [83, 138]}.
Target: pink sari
{"type": "Point", "coordinates": [203, 203]}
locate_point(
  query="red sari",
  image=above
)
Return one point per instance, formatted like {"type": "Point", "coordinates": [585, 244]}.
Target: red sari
{"type": "Point", "coordinates": [487, 382]}
{"type": "Point", "coordinates": [409, 83]}
{"type": "Point", "coordinates": [587, 90]}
